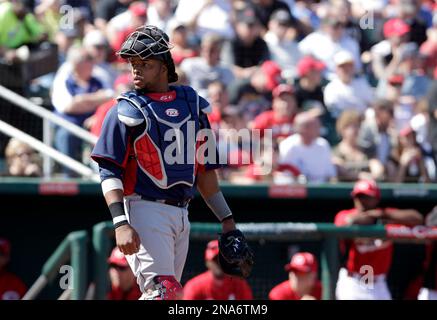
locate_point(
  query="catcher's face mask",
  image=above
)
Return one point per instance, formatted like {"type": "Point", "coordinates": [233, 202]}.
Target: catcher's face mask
{"type": "Point", "coordinates": [149, 42]}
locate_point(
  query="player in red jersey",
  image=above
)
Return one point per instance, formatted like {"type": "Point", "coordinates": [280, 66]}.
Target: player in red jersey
{"type": "Point", "coordinates": [302, 283]}
{"type": "Point", "coordinates": [11, 287]}
{"type": "Point", "coordinates": [368, 260]}
{"type": "Point", "coordinates": [123, 284]}
{"type": "Point", "coordinates": [213, 284]}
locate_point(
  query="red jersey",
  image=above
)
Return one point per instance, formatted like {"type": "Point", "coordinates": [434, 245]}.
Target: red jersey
{"type": "Point", "coordinates": [206, 287]}
{"type": "Point", "coordinates": [376, 253]}
{"type": "Point", "coordinates": [283, 291]}
{"type": "Point", "coordinates": [118, 294]}
{"type": "Point", "coordinates": [11, 287]}
{"type": "Point", "coordinates": [99, 116]}
{"type": "Point", "coordinates": [280, 127]}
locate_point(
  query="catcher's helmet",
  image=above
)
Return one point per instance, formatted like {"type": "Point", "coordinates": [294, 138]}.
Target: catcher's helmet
{"type": "Point", "coordinates": [149, 42]}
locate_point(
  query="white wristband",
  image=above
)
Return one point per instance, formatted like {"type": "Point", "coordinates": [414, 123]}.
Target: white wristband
{"type": "Point", "coordinates": [111, 184]}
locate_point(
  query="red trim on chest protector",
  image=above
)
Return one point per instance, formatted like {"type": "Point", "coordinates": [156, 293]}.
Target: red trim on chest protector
{"type": "Point", "coordinates": [163, 96]}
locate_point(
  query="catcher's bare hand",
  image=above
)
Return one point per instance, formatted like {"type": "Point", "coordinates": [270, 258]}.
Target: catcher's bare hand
{"type": "Point", "coordinates": [127, 239]}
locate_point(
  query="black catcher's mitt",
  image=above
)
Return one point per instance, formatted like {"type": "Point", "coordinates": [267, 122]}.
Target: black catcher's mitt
{"type": "Point", "coordinates": [235, 257]}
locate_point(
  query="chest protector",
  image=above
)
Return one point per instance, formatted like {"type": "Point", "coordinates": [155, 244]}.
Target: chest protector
{"type": "Point", "coordinates": [165, 151]}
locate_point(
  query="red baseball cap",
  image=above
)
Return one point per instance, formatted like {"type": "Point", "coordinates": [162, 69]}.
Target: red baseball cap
{"type": "Point", "coordinates": [273, 72]}
{"type": "Point", "coordinates": [117, 257]}
{"type": "Point", "coordinates": [307, 64]}
{"type": "Point", "coordinates": [366, 187]}
{"type": "Point", "coordinates": [302, 262]}
{"type": "Point", "coordinates": [406, 131]}
{"type": "Point", "coordinates": [396, 79]}
{"type": "Point", "coordinates": [282, 88]}
{"type": "Point", "coordinates": [138, 9]}
{"type": "Point", "coordinates": [396, 27]}
{"type": "Point", "coordinates": [212, 250]}
{"type": "Point", "coordinates": [5, 246]}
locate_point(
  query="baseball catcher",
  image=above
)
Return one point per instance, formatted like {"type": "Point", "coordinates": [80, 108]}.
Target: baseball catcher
{"type": "Point", "coordinates": [150, 169]}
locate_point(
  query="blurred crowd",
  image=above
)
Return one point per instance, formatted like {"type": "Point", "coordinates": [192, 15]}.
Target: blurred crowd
{"type": "Point", "coordinates": [348, 87]}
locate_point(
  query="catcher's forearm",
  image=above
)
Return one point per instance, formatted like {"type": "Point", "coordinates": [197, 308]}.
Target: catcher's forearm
{"type": "Point", "coordinates": [207, 184]}
{"type": "Point", "coordinates": [113, 193]}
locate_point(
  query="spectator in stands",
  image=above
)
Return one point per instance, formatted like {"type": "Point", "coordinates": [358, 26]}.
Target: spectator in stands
{"type": "Point", "coordinates": [123, 283]}
{"type": "Point", "coordinates": [281, 118]}
{"type": "Point", "coordinates": [432, 116]}
{"type": "Point", "coordinates": [49, 15]}
{"type": "Point", "coordinates": [213, 284]}
{"type": "Point", "coordinates": [377, 136]}
{"type": "Point", "coordinates": [138, 18]}
{"type": "Point", "coordinates": [76, 98]}
{"type": "Point", "coordinates": [18, 27]}
{"type": "Point", "coordinates": [123, 20]}
{"type": "Point", "coordinates": [305, 12]}
{"type": "Point", "coordinates": [264, 10]}
{"type": "Point", "coordinates": [254, 95]}
{"type": "Point", "coordinates": [309, 85]}
{"type": "Point", "coordinates": [323, 44]}
{"type": "Point", "coordinates": [429, 48]}
{"type": "Point", "coordinates": [368, 260]}
{"type": "Point", "coordinates": [182, 49]}
{"type": "Point", "coordinates": [107, 9]}
{"type": "Point", "coordinates": [203, 70]}
{"type": "Point", "coordinates": [160, 14]}
{"type": "Point", "coordinates": [218, 98]}
{"type": "Point", "coordinates": [98, 47]}
{"type": "Point", "coordinates": [410, 12]}
{"type": "Point", "coordinates": [280, 40]}
{"type": "Point", "coordinates": [206, 16]}
{"type": "Point", "coordinates": [416, 82]}
{"type": "Point", "coordinates": [307, 151]}
{"type": "Point", "coordinates": [389, 53]}
{"type": "Point", "coordinates": [122, 84]}
{"type": "Point", "coordinates": [22, 160]}
{"type": "Point", "coordinates": [409, 158]}
{"type": "Point", "coordinates": [68, 36]}
{"type": "Point", "coordinates": [347, 91]}
{"type": "Point", "coordinates": [302, 283]}
{"type": "Point", "coordinates": [352, 163]}
{"type": "Point", "coordinates": [11, 286]}
{"type": "Point", "coordinates": [247, 50]}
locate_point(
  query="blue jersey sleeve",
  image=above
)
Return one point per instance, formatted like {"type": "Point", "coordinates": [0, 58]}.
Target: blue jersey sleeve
{"type": "Point", "coordinates": [113, 143]}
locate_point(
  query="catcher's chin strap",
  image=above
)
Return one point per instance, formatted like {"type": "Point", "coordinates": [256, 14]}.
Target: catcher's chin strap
{"type": "Point", "coordinates": [164, 288]}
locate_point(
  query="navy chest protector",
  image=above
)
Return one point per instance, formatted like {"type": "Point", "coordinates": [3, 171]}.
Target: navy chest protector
{"type": "Point", "coordinates": [166, 150]}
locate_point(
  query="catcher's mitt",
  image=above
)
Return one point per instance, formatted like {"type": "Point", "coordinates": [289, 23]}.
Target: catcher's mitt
{"type": "Point", "coordinates": [235, 257]}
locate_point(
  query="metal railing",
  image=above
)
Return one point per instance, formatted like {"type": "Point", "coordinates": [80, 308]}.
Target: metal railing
{"type": "Point", "coordinates": [74, 249]}
{"type": "Point", "coordinates": [49, 119]}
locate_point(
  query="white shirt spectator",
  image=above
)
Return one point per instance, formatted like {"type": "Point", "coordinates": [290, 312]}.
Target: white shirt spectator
{"type": "Point", "coordinates": [60, 95]}
{"type": "Point", "coordinates": [284, 53]}
{"type": "Point", "coordinates": [154, 19]}
{"type": "Point", "coordinates": [322, 47]}
{"type": "Point", "coordinates": [313, 161]}
{"type": "Point", "coordinates": [120, 22]}
{"type": "Point", "coordinates": [339, 96]}
{"type": "Point", "coordinates": [200, 74]}
{"type": "Point", "coordinates": [214, 18]}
